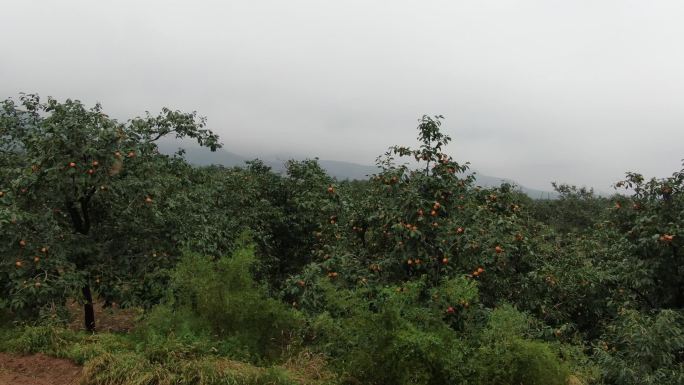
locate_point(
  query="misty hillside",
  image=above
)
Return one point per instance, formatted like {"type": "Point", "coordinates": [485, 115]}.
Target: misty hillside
{"type": "Point", "coordinates": [338, 169]}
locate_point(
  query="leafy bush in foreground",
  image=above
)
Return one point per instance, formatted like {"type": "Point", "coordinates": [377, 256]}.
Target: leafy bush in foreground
{"type": "Point", "coordinates": [642, 349]}
{"type": "Point", "coordinates": [218, 298]}
{"type": "Point", "coordinates": [410, 334]}
{"type": "Point", "coordinates": [505, 356]}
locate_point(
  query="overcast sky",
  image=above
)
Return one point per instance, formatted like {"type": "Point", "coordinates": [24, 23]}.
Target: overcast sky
{"type": "Point", "coordinates": [536, 91]}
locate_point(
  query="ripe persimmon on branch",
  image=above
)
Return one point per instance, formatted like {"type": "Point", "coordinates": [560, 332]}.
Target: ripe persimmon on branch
{"type": "Point", "coordinates": [67, 187]}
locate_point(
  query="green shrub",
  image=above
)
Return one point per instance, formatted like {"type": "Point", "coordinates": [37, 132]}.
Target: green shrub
{"type": "Point", "coordinates": [383, 348]}
{"type": "Point", "coordinates": [518, 361]}
{"type": "Point", "coordinates": [389, 339]}
{"type": "Point", "coordinates": [217, 304]}
{"type": "Point", "coordinates": [642, 349]}
{"type": "Point", "coordinates": [505, 356]}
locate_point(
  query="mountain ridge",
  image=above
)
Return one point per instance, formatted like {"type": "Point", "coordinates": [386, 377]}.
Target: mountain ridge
{"type": "Point", "coordinates": [338, 169]}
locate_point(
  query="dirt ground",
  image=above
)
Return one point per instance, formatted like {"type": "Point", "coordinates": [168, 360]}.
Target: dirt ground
{"type": "Point", "coordinates": [112, 319]}
{"type": "Point", "coordinates": [37, 369]}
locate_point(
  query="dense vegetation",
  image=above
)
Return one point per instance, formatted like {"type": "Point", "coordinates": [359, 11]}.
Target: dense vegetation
{"type": "Point", "coordinates": [414, 276]}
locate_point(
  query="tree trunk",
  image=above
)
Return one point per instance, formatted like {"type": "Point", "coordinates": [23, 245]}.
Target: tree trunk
{"type": "Point", "coordinates": [88, 312]}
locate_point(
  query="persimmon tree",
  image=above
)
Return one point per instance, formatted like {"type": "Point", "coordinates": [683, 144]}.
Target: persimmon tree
{"type": "Point", "coordinates": [83, 201]}
{"type": "Point", "coordinates": [420, 221]}
{"type": "Point", "coordinates": [651, 221]}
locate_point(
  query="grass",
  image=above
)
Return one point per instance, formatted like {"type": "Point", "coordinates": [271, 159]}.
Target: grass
{"type": "Point", "coordinates": [134, 369]}
{"type": "Point", "coordinates": [118, 359]}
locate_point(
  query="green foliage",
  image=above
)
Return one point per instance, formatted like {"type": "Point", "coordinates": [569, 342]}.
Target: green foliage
{"type": "Point", "coordinates": [82, 203]}
{"type": "Point", "coordinates": [403, 342]}
{"type": "Point", "coordinates": [220, 298]}
{"type": "Point", "coordinates": [405, 278]}
{"type": "Point", "coordinates": [643, 349]}
{"type": "Point", "coordinates": [408, 223]}
{"type": "Point", "coordinates": [651, 222]}
{"type": "Point", "coordinates": [577, 209]}
{"type": "Point", "coordinates": [134, 369]}
{"type": "Point", "coordinates": [505, 356]}
{"type": "Point", "coordinates": [34, 339]}
{"type": "Point", "coordinates": [59, 342]}
{"type": "Point", "coordinates": [390, 339]}
{"type": "Point", "coordinates": [116, 359]}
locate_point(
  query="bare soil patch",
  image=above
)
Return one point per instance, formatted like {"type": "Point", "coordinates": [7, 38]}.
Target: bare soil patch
{"type": "Point", "coordinates": [107, 319]}
{"type": "Point", "coordinates": [37, 369]}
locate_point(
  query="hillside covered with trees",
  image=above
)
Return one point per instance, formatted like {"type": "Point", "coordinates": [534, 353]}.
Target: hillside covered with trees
{"type": "Point", "coordinates": [245, 276]}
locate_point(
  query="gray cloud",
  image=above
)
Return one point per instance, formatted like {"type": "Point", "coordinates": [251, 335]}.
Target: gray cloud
{"type": "Point", "coordinates": [573, 91]}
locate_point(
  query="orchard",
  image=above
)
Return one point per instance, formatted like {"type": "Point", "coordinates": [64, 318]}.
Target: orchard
{"type": "Point", "coordinates": [416, 275]}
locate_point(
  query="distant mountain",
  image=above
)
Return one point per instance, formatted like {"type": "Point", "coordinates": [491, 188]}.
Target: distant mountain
{"type": "Point", "coordinates": [346, 170]}
{"type": "Point", "coordinates": [337, 169]}
{"type": "Point", "coordinates": [202, 156]}
{"type": "Point", "coordinates": [490, 181]}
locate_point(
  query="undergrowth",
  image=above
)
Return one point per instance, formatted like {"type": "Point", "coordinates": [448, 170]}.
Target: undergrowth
{"type": "Point", "coordinates": [218, 326]}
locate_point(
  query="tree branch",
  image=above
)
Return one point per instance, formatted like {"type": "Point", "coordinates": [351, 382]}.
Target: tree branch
{"type": "Point", "coordinates": [75, 216]}
{"type": "Point", "coordinates": [161, 134]}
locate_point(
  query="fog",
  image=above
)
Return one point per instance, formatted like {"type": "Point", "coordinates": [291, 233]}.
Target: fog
{"type": "Point", "coordinates": [534, 91]}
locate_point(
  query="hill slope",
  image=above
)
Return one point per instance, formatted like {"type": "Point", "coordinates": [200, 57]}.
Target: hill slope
{"type": "Point", "coordinates": [338, 169]}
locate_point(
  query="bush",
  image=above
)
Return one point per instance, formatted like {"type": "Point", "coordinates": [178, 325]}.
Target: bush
{"type": "Point", "coordinates": [219, 298]}
{"type": "Point", "coordinates": [505, 356]}
{"type": "Point", "coordinates": [642, 349]}
{"type": "Point", "coordinates": [387, 337]}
